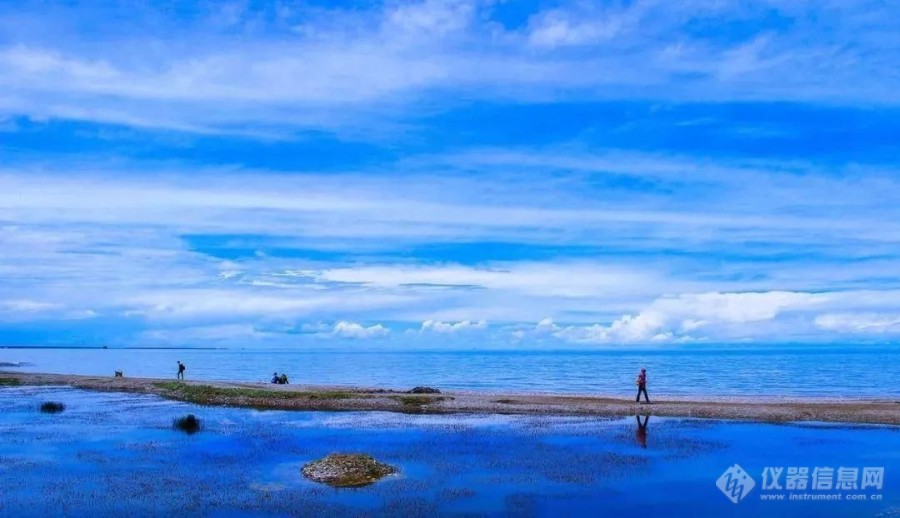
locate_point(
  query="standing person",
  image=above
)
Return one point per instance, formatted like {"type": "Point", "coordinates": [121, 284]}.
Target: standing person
{"type": "Point", "coordinates": [180, 370]}
{"type": "Point", "coordinates": [642, 386]}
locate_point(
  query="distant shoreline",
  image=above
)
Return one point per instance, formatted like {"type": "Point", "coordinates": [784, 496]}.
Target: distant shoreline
{"type": "Point", "coordinates": [343, 398]}
{"type": "Point", "coordinates": [107, 348]}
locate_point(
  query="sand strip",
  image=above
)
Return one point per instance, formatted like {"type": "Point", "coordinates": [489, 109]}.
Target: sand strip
{"type": "Point", "coordinates": [340, 398]}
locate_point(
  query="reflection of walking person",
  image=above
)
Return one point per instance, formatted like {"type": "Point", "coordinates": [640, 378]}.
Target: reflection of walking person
{"type": "Point", "coordinates": [642, 386]}
{"type": "Point", "coordinates": [641, 434]}
{"type": "Point", "coordinates": [180, 370]}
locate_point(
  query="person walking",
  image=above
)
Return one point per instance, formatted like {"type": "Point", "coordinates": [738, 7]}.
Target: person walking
{"type": "Point", "coordinates": [642, 386]}
{"type": "Point", "coordinates": [180, 370]}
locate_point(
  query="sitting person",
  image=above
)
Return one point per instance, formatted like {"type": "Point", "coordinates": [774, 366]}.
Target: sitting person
{"type": "Point", "coordinates": [275, 378]}
{"type": "Point", "coordinates": [118, 374]}
{"type": "Point", "coordinates": [283, 380]}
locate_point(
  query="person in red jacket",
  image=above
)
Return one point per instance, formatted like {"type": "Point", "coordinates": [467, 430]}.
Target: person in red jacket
{"type": "Point", "coordinates": [642, 386]}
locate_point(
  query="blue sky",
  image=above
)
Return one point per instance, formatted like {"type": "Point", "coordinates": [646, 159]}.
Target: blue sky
{"type": "Point", "coordinates": [449, 173]}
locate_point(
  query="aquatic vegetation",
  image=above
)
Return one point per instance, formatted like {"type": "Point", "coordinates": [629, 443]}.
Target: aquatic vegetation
{"type": "Point", "coordinates": [456, 493]}
{"type": "Point", "coordinates": [206, 394]}
{"type": "Point", "coordinates": [10, 382]}
{"type": "Point", "coordinates": [188, 424]}
{"type": "Point", "coordinates": [417, 403]}
{"type": "Point", "coordinates": [423, 390]}
{"type": "Point", "coordinates": [52, 407]}
{"type": "Point", "coordinates": [333, 395]}
{"type": "Point", "coordinates": [347, 470]}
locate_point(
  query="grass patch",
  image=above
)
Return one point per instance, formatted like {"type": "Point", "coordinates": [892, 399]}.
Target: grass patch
{"type": "Point", "coordinates": [52, 407]}
{"type": "Point", "coordinates": [423, 390]}
{"type": "Point", "coordinates": [505, 401]}
{"type": "Point", "coordinates": [418, 400]}
{"type": "Point", "coordinates": [347, 470]}
{"type": "Point", "coordinates": [10, 382]}
{"type": "Point", "coordinates": [188, 424]}
{"type": "Point", "coordinates": [333, 395]}
{"type": "Point", "coordinates": [207, 393]}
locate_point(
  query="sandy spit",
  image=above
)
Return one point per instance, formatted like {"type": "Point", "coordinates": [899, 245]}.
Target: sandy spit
{"type": "Point", "coordinates": [344, 398]}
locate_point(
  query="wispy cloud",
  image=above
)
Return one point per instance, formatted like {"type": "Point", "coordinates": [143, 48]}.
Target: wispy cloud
{"type": "Point", "coordinates": [131, 261]}
{"type": "Point", "coordinates": [582, 173]}
{"type": "Point", "coordinates": [860, 323]}
{"type": "Point", "coordinates": [329, 68]}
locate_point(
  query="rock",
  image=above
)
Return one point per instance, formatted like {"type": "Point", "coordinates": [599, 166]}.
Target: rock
{"type": "Point", "coordinates": [347, 470]}
{"type": "Point", "coordinates": [423, 390]}
{"type": "Point", "coordinates": [52, 407]}
{"type": "Point", "coordinates": [188, 424]}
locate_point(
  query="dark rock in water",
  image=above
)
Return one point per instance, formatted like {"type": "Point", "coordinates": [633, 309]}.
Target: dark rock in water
{"type": "Point", "coordinates": [188, 424]}
{"type": "Point", "coordinates": [347, 470]}
{"type": "Point", "coordinates": [52, 407]}
{"type": "Point", "coordinates": [423, 390]}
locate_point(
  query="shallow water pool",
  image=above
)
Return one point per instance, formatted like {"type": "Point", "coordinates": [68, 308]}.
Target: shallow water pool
{"type": "Point", "coordinates": [111, 453]}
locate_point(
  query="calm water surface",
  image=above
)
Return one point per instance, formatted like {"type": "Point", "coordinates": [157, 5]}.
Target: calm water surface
{"type": "Point", "coordinates": [113, 454]}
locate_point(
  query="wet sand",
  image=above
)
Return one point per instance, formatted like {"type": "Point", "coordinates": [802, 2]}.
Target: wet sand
{"type": "Point", "coordinates": [343, 398]}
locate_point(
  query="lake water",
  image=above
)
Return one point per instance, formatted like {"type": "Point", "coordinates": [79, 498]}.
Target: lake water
{"type": "Point", "coordinates": [114, 454]}
{"type": "Point", "coordinates": [772, 372]}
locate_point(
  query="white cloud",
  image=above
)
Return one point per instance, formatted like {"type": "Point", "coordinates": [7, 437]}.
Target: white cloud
{"type": "Point", "coordinates": [318, 328]}
{"type": "Point", "coordinates": [562, 28]}
{"type": "Point", "coordinates": [430, 18]}
{"type": "Point", "coordinates": [690, 252]}
{"type": "Point", "coordinates": [100, 245]}
{"type": "Point", "coordinates": [860, 323]}
{"type": "Point", "coordinates": [27, 306]}
{"type": "Point", "coordinates": [334, 68]}
{"type": "Point", "coordinates": [371, 210]}
{"type": "Point", "coordinates": [452, 327]}
{"type": "Point", "coordinates": [215, 333]}
{"type": "Point", "coordinates": [28, 310]}
{"type": "Point", "coordinates": [228, 274]}
{"type": "Point", "coordinates": [567, 279]}
{"type": "Point", "coordinates": [230, 303]}
{"type": "Point", "coordinates": [676, 318]}
{"type": "Point", "coordinates": [345, 329]}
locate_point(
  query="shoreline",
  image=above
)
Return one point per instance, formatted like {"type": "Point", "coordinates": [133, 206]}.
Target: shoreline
{"type": "Point", "coordinates": [344, 398]}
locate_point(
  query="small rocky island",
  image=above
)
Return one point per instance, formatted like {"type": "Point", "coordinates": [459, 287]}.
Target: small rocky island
{"type": "Point", "coordinates": [347, 470]}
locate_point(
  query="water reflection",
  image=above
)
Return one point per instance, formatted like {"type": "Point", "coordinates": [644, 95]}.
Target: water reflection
{"type": "Point", "coordinates": [640, 434]}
